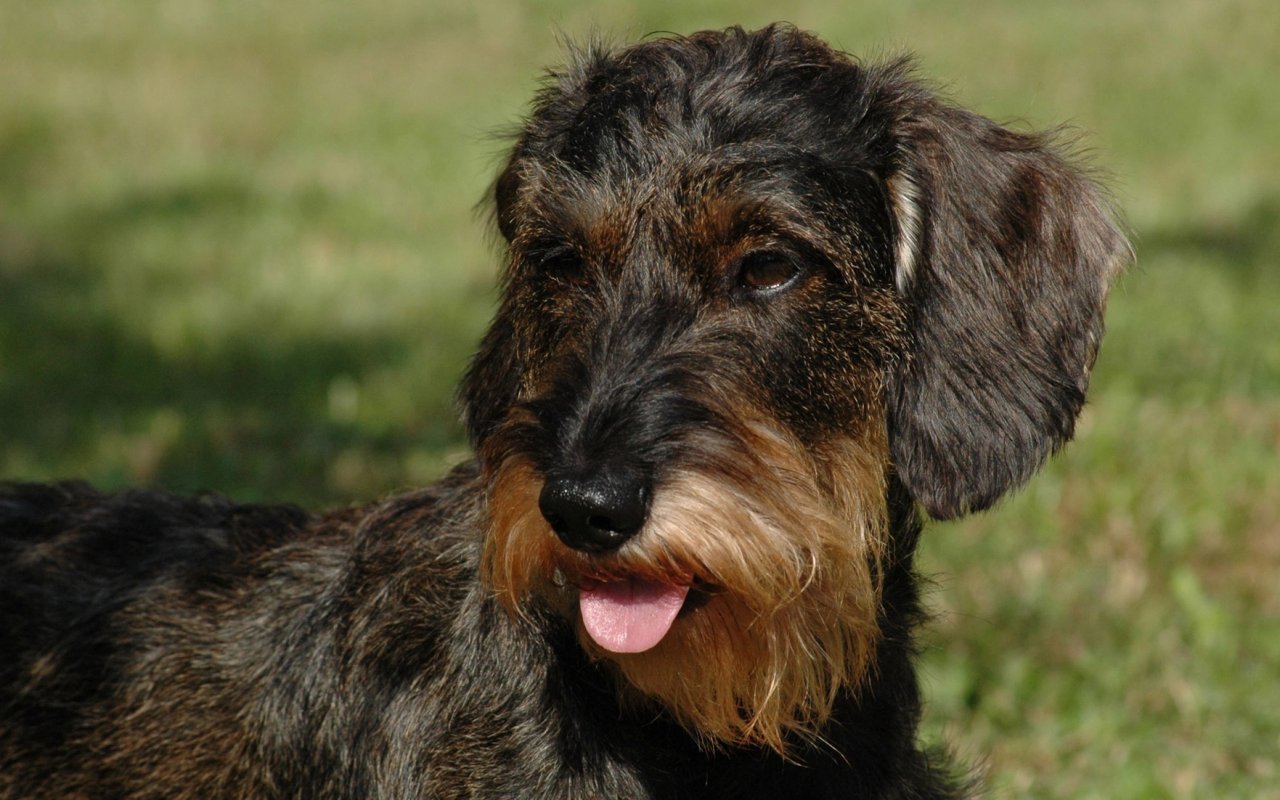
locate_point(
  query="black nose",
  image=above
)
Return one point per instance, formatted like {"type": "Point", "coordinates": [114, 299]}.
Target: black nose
{"type": "Point", "coordinates": [595, 511]}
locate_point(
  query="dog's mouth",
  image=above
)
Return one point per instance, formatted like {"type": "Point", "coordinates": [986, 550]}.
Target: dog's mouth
{"type": "Point", "coordinates": [632, 615]}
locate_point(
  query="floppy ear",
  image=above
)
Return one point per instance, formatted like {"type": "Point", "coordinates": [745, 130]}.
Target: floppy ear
{"type": "Point", "coordinates": [1005, 256]}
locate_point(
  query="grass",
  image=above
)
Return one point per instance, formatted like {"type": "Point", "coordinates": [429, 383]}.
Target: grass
{"type": "Point", "coordinates": [238, 250]}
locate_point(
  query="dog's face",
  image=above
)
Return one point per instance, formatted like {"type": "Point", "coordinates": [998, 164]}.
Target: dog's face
{"type": "Point", "coordinates": [750, 283]}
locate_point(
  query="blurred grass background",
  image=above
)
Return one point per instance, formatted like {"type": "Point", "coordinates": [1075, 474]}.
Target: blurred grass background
{"type": "Point", "coordinates": [238, 250]}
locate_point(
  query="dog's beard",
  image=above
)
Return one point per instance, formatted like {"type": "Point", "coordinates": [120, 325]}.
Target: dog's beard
{"type": "Point", "coordinates": [777, 549]}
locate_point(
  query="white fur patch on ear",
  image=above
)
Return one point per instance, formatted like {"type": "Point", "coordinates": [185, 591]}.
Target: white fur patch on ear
{"type": "Point", "coordinates": [904, 194]}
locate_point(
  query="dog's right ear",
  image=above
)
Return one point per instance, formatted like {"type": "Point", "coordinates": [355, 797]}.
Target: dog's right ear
{"type": "Point", "coordinates": [1005, 256]}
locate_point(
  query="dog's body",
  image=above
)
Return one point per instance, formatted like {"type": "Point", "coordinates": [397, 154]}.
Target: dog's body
{"type": "Point", "coordinates": [761, 303]}
{"type": "Point", "coordinates": [195, 648]}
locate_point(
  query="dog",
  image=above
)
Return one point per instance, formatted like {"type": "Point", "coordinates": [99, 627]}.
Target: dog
{"type": "Point", "coordinates": [763, 306]}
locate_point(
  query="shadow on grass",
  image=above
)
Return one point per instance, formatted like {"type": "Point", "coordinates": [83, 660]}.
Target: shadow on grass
{"type": "Point", "coordinates": [1247, 246]}
{"type": "Point", "coordinates": [84, 394]}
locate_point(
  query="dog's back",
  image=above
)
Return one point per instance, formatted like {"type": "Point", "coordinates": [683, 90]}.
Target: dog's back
{"type": "Point", "coordinates": [116, 612]}
{"type": "Point", "coordinates": [72, 559]}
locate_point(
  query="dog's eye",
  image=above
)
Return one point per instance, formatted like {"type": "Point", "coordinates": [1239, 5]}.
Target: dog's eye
{"type": "Point", "coordinates": [767, 271]}
{"type": "Point", "coordinates": [562, 262]}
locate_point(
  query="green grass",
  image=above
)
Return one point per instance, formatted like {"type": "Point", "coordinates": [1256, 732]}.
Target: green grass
{"type": "Point", "coordinates": [238, 250]}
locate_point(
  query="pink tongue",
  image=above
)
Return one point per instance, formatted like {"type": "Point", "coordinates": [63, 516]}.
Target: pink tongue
{"type": "Point", "coordinates": [630, 616]}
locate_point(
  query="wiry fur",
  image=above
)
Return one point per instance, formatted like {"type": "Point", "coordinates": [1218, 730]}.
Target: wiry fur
{"type": "Point", "coordinates": [780, 298]}
{"type": "Point", "coordinates": [791, 555]}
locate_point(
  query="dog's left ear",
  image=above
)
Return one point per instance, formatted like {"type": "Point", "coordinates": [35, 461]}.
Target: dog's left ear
{"type": "Point", "coordinates": [1005, 256]}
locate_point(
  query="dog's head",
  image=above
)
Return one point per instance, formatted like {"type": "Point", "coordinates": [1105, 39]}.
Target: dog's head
{"type": "Point", "coordinates": [750, 282]}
